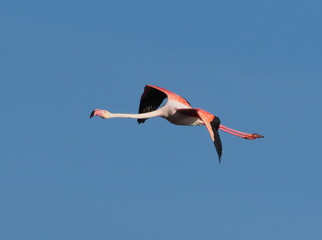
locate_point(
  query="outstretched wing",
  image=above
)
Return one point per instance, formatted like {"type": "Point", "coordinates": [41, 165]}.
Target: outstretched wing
{"type": "Point", "coordinates": [151, 99]}
{"type": "Point", "coordinates": [211, 122]}
{"type": "Point", "coordinates": [214, 124]}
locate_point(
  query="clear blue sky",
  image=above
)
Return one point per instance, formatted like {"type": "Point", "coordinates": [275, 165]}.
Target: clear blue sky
{"type": "Point", "coordinates": [255, 64]}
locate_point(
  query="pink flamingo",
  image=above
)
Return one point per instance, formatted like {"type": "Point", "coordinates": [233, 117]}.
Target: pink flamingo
{"type": "Point", "coordinates": [176, 110]}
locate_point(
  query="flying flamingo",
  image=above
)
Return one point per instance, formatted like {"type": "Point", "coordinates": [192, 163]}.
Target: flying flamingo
{"type": "Point", "coordinates": [176, 110]}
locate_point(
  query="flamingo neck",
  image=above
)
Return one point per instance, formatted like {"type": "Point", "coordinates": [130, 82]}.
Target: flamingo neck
{"type": "Point", "coordinates": [136, 116]}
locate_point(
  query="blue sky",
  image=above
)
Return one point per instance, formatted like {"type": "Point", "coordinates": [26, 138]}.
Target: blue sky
{"type": "Point", "coordinates": [255, 64]}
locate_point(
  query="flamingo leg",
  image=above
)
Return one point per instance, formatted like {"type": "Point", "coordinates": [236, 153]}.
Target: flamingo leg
{"type": "Point", "coordinates": [250, 136]}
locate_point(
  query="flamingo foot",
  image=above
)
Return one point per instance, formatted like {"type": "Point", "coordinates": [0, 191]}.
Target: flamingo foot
{"type": "Point", "coordinates": [253, 136]}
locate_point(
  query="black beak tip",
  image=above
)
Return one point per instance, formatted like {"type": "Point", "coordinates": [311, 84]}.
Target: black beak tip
{"type": "Point", "coordinates": [92, 114]}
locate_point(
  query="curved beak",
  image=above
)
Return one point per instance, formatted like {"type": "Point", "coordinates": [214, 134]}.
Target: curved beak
{"type": "Point", "coordinates": [92, 114]}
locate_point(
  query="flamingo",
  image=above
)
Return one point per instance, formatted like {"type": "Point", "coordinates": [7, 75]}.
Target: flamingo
{"type": "Point", "coordinates": [176, 110]}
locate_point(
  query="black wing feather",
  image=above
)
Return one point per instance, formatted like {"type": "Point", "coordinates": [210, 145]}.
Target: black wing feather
{"type": "Point", "coordinates": [151, 99]}
{"type": "Point", "coordinates": [215, 126]}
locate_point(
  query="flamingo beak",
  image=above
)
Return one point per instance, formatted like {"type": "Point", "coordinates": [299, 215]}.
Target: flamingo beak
{"type": "Point", "coordinates": [94, 113]}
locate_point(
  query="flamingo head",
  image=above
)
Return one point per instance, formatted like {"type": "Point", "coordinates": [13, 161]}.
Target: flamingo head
{"type": "Point", "coordinates": [101, 113]}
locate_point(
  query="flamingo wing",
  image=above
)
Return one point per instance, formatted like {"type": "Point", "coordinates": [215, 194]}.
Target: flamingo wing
{"type": "Point", "coordinates": [151, 99]}
{"type": "Point", "coordinates": [211, 122]}
{"type": "Point", "coordinates": [213, 131]}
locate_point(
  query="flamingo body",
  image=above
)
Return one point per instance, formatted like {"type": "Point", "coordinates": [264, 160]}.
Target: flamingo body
{"type": "Point", "coordinates": [176, 110]}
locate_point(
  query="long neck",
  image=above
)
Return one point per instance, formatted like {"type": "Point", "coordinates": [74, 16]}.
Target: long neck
{"type": "Point", "coordinates": [155, 113]}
